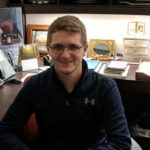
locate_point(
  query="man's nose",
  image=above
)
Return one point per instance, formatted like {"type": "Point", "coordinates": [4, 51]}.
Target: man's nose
{"type": "Point", "coordinates": [66, 52]}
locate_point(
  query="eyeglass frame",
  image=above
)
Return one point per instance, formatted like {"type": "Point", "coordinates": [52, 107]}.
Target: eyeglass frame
{"type": "Point", "coordinates": [59, 48]}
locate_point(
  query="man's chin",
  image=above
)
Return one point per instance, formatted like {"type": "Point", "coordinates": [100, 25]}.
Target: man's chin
{"type": "Point", "coordinates": [66, 71]}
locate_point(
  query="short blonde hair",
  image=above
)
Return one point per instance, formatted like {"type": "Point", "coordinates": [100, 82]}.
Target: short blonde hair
{"type": "Point", "coordinates": [67, 23]}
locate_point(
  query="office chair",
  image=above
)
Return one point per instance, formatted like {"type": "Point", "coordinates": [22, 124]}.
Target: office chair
{"type": "Point", "coordinates": [31, 127]}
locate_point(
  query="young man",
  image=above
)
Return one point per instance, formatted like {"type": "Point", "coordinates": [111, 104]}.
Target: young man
{"type": "Point", "coordinates": [75, 108]}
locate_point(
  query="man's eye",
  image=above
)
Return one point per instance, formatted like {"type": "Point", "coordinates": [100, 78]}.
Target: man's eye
{"type": "Point", "coordinates": [73, 47]}
{"type": "Point", "coordinates": [57, 47]}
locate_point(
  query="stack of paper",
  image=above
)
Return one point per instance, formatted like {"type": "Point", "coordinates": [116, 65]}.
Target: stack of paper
{"type": "Point", "coordinates": [116, 66]}
{"type": "Point", "coordinates": [144, 67]}
{"type": "Point", "coordinates": [143, 71]}
{"type": "Point", "coordinates": [115, 69]}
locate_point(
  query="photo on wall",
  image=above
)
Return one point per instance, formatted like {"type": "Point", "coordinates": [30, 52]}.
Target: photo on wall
{"type": "Point", "coordinates": [11, 31]}
{"type": "Point", "coordinates": [37, 34]}
{"type": "Point", "coordinates": [135, 28]}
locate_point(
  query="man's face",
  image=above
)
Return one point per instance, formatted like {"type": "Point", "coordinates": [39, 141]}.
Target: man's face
{"type": "Point", "coordinates": [67, 51]}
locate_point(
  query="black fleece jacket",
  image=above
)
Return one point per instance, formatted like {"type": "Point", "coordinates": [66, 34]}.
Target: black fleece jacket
{"type": "Point", "coordinates": [90, 118]}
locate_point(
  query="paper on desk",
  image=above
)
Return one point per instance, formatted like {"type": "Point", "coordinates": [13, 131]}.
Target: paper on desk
{"type": "Point", "coordinates": [29, 64]}
{"type": "Point", "coordinates": [144, 67]}
{"type": "Point", "coordinates": [28, 74]}
{"type": "Point", "coordinates": [115, 75]}
{"type": "Point", "coordinates": [43, 68]}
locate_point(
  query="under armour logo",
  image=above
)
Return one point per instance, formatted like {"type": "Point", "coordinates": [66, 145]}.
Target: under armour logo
{"type": "Point", "coordinates": [91, 101]}
{"type": "Point", "coordinates": [67, 103]}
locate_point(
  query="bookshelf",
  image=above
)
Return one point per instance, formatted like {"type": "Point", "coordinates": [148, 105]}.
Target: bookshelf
{"type": "Point", "coordinates": [93, 7]}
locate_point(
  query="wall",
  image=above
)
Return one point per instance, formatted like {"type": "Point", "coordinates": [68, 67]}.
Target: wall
{"type": "Point", "coordinates": [100, 26]}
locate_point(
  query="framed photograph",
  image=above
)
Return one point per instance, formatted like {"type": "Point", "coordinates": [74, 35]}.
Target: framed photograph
{"type": "Point", "coordinates": [37, 34]}
{"type": "Point", "coordinates": [131, 28]}
{"type": "Point", "coordinates": [101, 49]}
{"type": "Point", "coordinates": [140, 27]}
{"type": "Point", "coordinates": [27, 51]}
{"type": "Point", "coordinates": [136, 28]}
{"type": "Point", "coordinates": [28, 56]}
{"type": "Point", "coordinates": [11, 32]}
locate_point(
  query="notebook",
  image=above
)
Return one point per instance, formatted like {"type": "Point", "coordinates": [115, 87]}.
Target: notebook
{"type": "Point", "coordinates": [93, 64]}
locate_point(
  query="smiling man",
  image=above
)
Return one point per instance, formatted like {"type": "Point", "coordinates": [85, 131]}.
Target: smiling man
{"type": "Point", "coordinates": [75, 107]}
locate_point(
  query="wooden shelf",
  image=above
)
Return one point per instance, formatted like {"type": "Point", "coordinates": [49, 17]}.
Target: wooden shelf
{"type": "Point", "coordinates": [84, 9]}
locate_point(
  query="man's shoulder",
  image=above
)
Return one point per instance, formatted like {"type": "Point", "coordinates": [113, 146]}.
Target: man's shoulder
{"type": "Point", "coordinates": [99, 76]}
{"type": "Point", "coordinates": [40, 77]}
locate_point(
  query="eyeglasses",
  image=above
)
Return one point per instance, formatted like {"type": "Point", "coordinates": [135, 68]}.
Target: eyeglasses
{"type": "Point", "coordinates": [58, 48]}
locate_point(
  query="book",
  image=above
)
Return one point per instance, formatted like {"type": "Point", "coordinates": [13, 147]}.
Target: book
{"type": "Point", "coordinates": [115, 65]}
{"type": "Point", "coordinates": [121, 75]}
{"type": "Point", "coordinates": [93, 64]}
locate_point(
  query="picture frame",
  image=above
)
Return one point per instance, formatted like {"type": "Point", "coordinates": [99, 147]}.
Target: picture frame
{"type": "Point", "coordinates": [131, 28]}
{"type": "Point", "coordinates": [101, 49]}
{"type": "Point", "coordinates": [136, 28]}
{"type": "Point", "coordinates": [27, 56]}
{"type": "Point", "coordinates": [140, 27]}
{"type": "Point", "coordinates": [37, 34]}
{"type": "Point", "coordinates": [11, 32]}
{"type": "Point", "coordinates": [27, 51]}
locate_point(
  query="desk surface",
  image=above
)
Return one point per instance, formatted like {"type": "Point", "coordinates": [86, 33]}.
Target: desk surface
{"type": "Point", "coordinates": [9, 90]}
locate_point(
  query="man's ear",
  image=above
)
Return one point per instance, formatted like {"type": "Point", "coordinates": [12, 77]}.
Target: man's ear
{"type": "Point", "coordinates": [85, 49]}
{"type": "Point", "coordinates": [48, 50]}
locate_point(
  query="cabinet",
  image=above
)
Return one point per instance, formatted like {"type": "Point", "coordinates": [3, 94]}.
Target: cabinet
{"type": "Point", "coordinates": [82, 6]}
{"type": "Point", "coordinates": [135, 49]}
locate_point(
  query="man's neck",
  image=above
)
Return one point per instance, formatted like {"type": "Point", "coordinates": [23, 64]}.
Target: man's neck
{"type": "Point", "coordinates": [69, 81]}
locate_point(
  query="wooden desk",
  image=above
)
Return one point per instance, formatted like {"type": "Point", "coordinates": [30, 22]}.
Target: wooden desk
{"type": "Point", "coordinates": [8, 92]}
{"type": "Point", "coordinates": [7, 95]}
